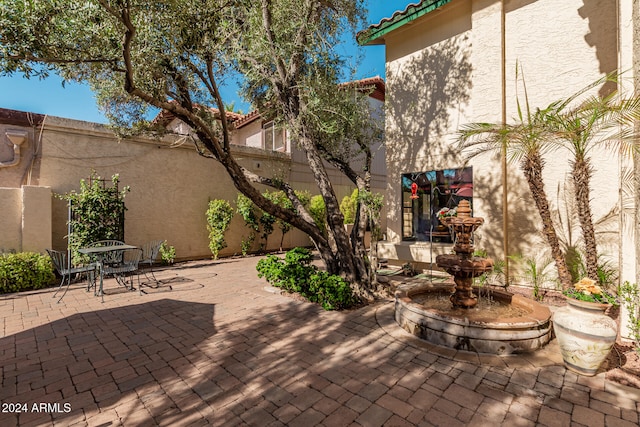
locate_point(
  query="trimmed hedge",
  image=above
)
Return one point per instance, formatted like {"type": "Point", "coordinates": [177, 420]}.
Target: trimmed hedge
{"type": "Point", "coordinates": [25, 271]}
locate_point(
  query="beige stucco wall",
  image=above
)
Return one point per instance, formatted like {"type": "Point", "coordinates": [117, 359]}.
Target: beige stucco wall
{"type": "Point", "coordinates": [444, 70]}
{"type": "Point", "coordinates": [36, 218]}
{"type": "Point", "coordinates": [170, 186]}
{"type": "Point", "coordinates": [428, 94]}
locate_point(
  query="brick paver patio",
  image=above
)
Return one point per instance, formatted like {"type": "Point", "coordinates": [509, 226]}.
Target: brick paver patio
{"type": "Point", "coordinates": [220, 350]}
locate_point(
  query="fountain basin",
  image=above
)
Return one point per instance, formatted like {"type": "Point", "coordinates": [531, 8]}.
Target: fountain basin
{"type": "Point", "coordinates": [500, 335]}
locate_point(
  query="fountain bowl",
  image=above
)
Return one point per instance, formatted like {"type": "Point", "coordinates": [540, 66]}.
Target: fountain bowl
{"type": "Point", "coordinates": [501, 335]}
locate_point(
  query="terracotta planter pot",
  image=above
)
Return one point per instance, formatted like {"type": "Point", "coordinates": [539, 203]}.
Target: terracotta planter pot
{"type": "Point", "coordinates": [585, 335]}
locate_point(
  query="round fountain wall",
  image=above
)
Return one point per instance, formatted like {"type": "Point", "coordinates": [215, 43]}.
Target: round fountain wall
{"type": "Point", "coordinates": [525, 327]}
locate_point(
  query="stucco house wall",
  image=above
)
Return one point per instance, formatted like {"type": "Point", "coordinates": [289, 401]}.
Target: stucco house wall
{"type": "Point", "coordinates": [444, 69]}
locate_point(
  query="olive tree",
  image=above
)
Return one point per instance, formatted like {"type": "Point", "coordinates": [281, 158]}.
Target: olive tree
{"type": "Point", "coordinates": [174, 55]}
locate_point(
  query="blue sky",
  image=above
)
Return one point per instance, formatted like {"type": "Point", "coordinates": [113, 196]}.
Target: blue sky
{"type": "Point", "coordinates": [76, 101]}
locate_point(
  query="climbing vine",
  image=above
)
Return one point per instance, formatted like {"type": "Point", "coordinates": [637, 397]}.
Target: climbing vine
{"type": "Point", "coordinates": [219, 215]}
{"type": "Point", "coordinates": [97, 212]}
{"type": "Point", "coordinates": [248, 211]}
{"type": "Point", "coordinates": [263, 224]}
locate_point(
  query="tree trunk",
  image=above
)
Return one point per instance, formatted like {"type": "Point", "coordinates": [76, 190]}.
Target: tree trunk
{"type": "Point", "coordinates": [532, 167]}
{"type": "Point", "coordinates": [345, 260]}
{"type": "Point", "coordinates": [581, 177]}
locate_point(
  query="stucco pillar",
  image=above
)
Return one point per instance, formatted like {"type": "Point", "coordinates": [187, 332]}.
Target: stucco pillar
{"type": "Point", "coordinates": [36, 218]}
{"type": "Point", "coordinates": [10, 227]}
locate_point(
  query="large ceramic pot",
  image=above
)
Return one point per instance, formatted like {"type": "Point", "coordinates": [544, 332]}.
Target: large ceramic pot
{"type": "Point", "coordinates": [585, 335]}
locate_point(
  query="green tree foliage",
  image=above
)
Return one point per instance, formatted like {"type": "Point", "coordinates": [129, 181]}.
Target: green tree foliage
{"type": "Point", "coordinates": [98, 212]}
{"type": "Point", "coordinates": [219, 216]}
{"type": "Point", "coordinates": [142, 57]}
{"type": "Point", "coordinates": [582, 128]}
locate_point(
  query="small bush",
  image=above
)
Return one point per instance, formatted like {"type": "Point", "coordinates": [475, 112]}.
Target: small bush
{"type": "Point", "coordinates": [25, 271]}
{"type": "Point", "coordinates": [330, 291]}
{"type": "Point", "coordinates": [348, 207]}
{"type": "Point", "coordinates": [629, 294]}
{"type": "Point", "coordinates": [296, 274]}
{"type": "Point", "coordinates": [167, 253]}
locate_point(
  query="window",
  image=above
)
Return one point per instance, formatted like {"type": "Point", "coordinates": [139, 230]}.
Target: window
{"type": "Point", "coordinates": [433, 190]}
{"type": "Point", "coordinates": [273, 137]}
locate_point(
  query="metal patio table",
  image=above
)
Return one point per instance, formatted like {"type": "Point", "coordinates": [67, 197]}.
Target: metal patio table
{"type": "Point", "coordinates": [100, 253]}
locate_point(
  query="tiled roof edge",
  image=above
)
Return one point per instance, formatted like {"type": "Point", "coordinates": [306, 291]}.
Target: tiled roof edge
{"type": "Point", "coordinates": [375, 32]}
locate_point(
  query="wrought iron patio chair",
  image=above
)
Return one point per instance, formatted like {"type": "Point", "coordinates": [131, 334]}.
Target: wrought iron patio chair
{"type": "Point", "coordinates": [67, 271]}
{"type": "Point", "coordinates": [150, 251]}
{"type": "Point", "coordinates": [124, 270]}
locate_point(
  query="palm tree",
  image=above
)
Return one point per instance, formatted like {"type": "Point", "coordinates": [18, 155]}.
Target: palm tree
{"type": "Point", "coordinates": [525, 143]}
{"type": "Point", "coordinates": [595, 123]}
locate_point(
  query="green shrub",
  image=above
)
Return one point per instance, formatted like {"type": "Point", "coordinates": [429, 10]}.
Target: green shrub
{"type": "Point", "coordinates": [348, 207]}
{"type": "Point", "coordinates": [248, 212]}
{"type": "Point", "coordinates": [296, 274]}
{"type": "Point", "coordinates": [271, 269]}
{"type": "Point", "coordinates": [330, 291]}
{"type": "Point", "coordinates": [219, 216]}
{"type": "Point", "coordinates": [319, 212]}
{"type": "Point", "coordinates": [25, 271]}
{"type": "Point", "coordinates": [629, 295]}
{"type": "Point", "coordinates": [167, 253]}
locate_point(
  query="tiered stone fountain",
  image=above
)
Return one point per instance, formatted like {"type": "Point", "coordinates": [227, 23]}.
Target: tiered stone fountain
{"type": "Point", "coordinates": [502, 323]}
{"type": "Point", "coordinates": [462, 265]}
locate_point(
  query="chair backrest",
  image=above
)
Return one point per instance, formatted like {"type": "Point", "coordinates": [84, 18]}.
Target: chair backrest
{"type": "Point", "coordinates": [131, 257]}
{"type": "Point", "coordinates": [150, 251]}
{"type": "Point", "coordinates": [59, 260]}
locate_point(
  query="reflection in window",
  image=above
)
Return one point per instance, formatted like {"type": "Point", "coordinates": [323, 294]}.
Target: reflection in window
{"type": "Point", "coordinates": [273, 137]}
{"type": "Point", "coordinates": [425, 193]}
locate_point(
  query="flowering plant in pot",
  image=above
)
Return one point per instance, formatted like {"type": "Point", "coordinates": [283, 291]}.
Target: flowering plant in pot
{"type": "Point", "coordinates": [589, 291]}
{"type": "Point", "coordinates": [585, 333]}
